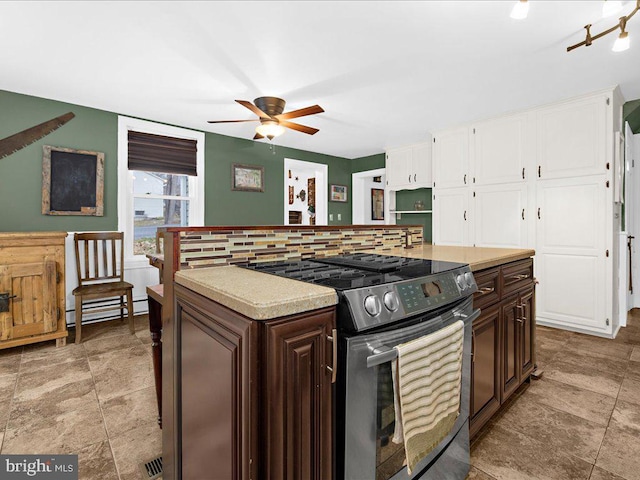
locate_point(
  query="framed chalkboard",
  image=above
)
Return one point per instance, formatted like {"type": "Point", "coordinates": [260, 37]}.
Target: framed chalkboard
{"type": "Point", "coordinates": [72, 182]}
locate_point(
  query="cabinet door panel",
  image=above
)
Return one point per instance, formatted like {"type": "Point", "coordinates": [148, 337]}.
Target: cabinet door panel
{"type": "Point", "coordinates": [485, 368]}
{"type": "Point", "coordinates": [421, 165]}
{"type": "Point", "coordinates": [499, 150]}
{"type": "Point", "coordinates": [397, 167]}
{"type": "Point", "coordinates": [500, 216]}
{"type": "Point", "coordinates": [572, 138]}
{"type": "Point", "coordinates": [451, 158]}
{"type": "Point", "coordinates": [510, 350]}
{"type": "Point", "coordinates": [451, 217]}
{"type": "Point", "coordinates": [571, 253]}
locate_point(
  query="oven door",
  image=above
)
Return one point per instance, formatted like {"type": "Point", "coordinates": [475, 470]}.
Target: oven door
{"type": "Point", "coordinates": [368, 420]}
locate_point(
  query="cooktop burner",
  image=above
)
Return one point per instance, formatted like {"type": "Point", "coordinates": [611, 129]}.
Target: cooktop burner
{"type": "Point", "coordinates": [355, 270]}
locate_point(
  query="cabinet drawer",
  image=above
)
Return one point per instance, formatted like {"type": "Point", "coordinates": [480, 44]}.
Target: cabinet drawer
{"type": "Point", "coordinates": [488, 288]}
{"type": "Point", "coordinates": [517, 275]}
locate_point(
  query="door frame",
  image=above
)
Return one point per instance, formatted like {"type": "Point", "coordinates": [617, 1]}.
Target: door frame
{"type": "Point", "coordinates": [321, 172]}
{"type": "Point", "coordinates": [632, 212]}
{"type": "Point", "coordinates": [358, 195]}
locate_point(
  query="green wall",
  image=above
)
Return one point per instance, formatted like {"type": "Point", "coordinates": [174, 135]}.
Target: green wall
{"type": "Point", "coordinates": [372, 162]}
{"type": "Point", "coordinates": [405, 200]}
{"type": "Point", "coordinates": [92, 129]}
{"type": "Point", "coordinates": [631, 114]}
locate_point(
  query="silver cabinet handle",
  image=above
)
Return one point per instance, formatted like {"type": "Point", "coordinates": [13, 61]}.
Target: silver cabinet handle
{"type": "Point", "coordinates": [333, 338]}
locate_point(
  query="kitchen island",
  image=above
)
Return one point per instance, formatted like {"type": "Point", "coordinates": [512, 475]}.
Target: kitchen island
{"type": "Point", "coordinates": [255, 358]}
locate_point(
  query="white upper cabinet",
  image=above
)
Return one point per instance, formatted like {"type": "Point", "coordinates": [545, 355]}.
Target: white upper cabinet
{"type": "Point", "coordinates": [572, 138]}
{"type": "Point", "coordinates": [502, 216]}
{"type": "Point", "coordinates": [451, 158]}
{"type": "Point", "coordinates": [499, 150]}
{"type": "Point", "coordinates": [451, 217]}
{"type": "Point", "coordinates": [408, 168]}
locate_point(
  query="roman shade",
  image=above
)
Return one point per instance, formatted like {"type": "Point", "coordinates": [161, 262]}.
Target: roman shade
{"type": "Point", "coordinates": [157, 153]}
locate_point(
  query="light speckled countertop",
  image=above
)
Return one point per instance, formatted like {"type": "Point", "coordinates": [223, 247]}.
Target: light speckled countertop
{"type": "Point", "coordinates": [257, 295]}
{"type": "Point", "coordinates": [262, 296]}
{"type": "Point", "coordinates": [478, 258]}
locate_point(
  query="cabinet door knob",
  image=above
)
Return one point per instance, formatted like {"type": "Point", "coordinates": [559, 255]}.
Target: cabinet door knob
{"type": "Point", "coordinates": [538, 213]}
{"type": "Point", "coordinates": [464, 215]}
{"type": "Point", "coordinates": [333, 338]}
{"type": "Point", "coordinates": [465, 179]}
{"type": "Point", "coordinates": [414, 177]}
{"type": "Point", "coordinates": [523, 213]}
{"type": "Point", "coordinates": [409, 178]}
{"type": "Point", "coordinates": [523, 173]}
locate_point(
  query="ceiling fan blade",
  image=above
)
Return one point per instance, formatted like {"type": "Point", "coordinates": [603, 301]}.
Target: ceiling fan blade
{"type": "Point", "coordinates": [298, 127]}
{"type": "Point", "coordinates": [232, 121]}
{"type": "Point", "coordinates": [301, 112]}
{"type": "Point", "coordinates": [257, 136]}
{"type": "Point", "coordinates": [253, 108]}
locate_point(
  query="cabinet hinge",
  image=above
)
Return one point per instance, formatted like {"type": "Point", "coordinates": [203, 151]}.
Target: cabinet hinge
{"type": "Point", "coordinates": [474, 179]}
{"type": "Point", "coordinates": [434, 140]}
{"type": "Point", "coordinates": [523, 173]}
{"type": "Point", "coordinates": [607, 322]}
{"type": "Point", "coordinates": [474, 194]}
{"type": "Point", "coordinates": [434, 184]}
{"type": "Point", "coordinates": [607, 184]}
{"type": "Point", "coordinates": [539, 171]}
{"type": "Point", "coordinates": [607, 165]}
{"type": "Point", "coordinates": [434, 197]}
{"type": "Point", "coordinates": [608, 102]}
{"type": "Point", "coordinates": [607, 253]}
{"type": "Point", "coordinates": [474, 131]}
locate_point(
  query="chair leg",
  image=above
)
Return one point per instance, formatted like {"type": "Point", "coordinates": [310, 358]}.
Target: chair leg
{"type": "Point", "coordinates": [132, 327]}
{"type": "Point", "coordinates": [78, 319]}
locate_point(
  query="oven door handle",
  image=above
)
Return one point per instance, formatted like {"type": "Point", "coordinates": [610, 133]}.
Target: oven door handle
{"type": "Point", "coordinates": [384, 353]}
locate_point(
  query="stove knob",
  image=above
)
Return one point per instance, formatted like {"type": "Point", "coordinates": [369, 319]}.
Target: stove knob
{"type": "Point", "coordinates": [469, 278]}
{"type": "Point", "coordinates": [372, 305]}
{"type": "Point", "coordinates": [462, 283]}
{"type": "Point", "coordinates": [391, 301]}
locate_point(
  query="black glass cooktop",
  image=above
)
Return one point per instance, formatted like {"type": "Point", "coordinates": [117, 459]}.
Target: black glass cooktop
{"type": "Point", "coordinates": [356, 270]}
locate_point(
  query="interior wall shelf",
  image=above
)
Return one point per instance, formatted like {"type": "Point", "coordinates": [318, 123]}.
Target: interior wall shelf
{"type": "Point", "coordinates": [410, 211]}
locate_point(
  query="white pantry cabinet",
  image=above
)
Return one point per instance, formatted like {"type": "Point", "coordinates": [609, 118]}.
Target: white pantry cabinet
{"type": "Point", "coordinates": [572, 137]}
{"type": "Point", "coordinates": [408, 168]}
{"type": "Point", "coordinates": [451, 158]}
{"type": "Point", "coordinates": [500, 149]}
{"type": "Point", "coordinates": [501, 216]}
{"type": "Point", "coordinates": [451, 217]}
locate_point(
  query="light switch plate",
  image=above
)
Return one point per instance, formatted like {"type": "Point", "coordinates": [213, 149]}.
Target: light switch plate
{"type": "Point", "coordinates": [339, 216]}
{"type": "Point", "coordinates": [331, 217]}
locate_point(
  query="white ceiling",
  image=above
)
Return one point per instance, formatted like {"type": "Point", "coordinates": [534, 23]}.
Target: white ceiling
{"type": "Point", "coordinates": [386, 72]}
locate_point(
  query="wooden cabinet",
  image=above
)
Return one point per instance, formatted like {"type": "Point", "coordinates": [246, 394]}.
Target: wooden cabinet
{"type": "Point", "coordinates": [503, 341]}
{"type": "Point", "coordinates": [32, 288]}
{"type": "Point", "coordinates": [255, 399]}
{"type": "Point", "coordinates": [408, 168]}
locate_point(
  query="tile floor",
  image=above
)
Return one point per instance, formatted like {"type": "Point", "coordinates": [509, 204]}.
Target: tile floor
{"type": "Point", "coordinates": [581, 420]}
{"type": "Point", "coordinates": [96, 399]}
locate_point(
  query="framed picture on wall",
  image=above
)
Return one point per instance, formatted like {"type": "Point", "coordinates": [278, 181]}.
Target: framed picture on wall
{"type": "Point", "coordinates": [247, 178]}
{"type": "Point", "coordinates": [338, 193]}
{"type": "Point", "coordinates": [377, 204]}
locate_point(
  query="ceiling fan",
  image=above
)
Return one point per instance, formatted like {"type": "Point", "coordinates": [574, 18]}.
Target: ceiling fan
{"type": "Point", "coordinates": [272, 120]}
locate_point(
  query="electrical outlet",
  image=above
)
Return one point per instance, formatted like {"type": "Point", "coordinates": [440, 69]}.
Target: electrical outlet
{"type": "Point", "coordinates": [339, 216]}
{"type": "Point", "coordinates": [331, 217]}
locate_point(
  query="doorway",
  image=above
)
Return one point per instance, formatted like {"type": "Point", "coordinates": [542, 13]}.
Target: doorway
{"type": "Point", "coordinates": [366, 188]}
{"type": "Point", "coordinates": [305, 192]}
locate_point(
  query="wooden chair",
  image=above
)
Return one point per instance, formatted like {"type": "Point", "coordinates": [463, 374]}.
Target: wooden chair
{"type": "Point", "coordinates": [100, 268]}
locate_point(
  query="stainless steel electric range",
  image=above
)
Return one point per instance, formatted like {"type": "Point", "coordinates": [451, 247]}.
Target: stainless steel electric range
{"type": "Point", "coordinates": [385, 301]}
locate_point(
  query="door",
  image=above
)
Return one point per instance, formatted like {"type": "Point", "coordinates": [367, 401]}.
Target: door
{"type": "Point", "coordinates": [500, 216]}
{"type": "Point", "coordinates": [571, 253]}
{"type": "Point", "coordinates": [630, 215]}
{"type": "Point", "coordinates": [572, 138]}
{"type": "Point", "coordinates": [33, 304]}
{"type": "Point", "coordinates": [485, 368]}
{"type": "Point", "coordinates": [510, 379]}
{"type": "Point", "coordinates": [499, 150]}
{"type": "Point", "coordinates": [451, 158]}
{"type": "Point", "coordinates": [451, 217]}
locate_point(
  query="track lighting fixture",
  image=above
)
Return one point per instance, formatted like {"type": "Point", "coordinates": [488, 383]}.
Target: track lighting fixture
{"type": "Point", "coordinates": [623, 41]}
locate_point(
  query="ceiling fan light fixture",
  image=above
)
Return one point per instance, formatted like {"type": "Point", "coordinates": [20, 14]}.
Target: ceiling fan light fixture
{"type": "Point", "coordinates": [270, 129]}
{"type": "Point", "coordinates": [520, 10]}
{"type": "Point", "coordinates": [610, 7]}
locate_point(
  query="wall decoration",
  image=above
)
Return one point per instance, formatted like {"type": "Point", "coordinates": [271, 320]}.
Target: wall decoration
{"type": "Point", "coordinates": [247, 178]}
{"type": "Point", "coordinates": [377, 179]}
{"type": "Point", "coordinates": [295, 217]}
{"type": "Point", "coordinates": [289, 173]}
{"type": "Point", "coordinates": [26, 137]}
{"type": "Point", "coordinates": [338, 193]}
{"type": "Point", "coordinates": [302, 195]}
{"type": "Point", "coordinates": [291, 195]}
{"type": "Point", "coordinates": [377, 204]}
{"type": "Point", "coordinates": [72, 182]}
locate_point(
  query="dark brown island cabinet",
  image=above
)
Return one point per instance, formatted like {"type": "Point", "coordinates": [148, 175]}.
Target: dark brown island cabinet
{"type": "Point", "coordinates": [503, 338]}
{"type": "Point", "coordinates": [253, 399]}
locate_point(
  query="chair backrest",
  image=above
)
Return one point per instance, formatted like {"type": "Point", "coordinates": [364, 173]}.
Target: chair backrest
{"type": "Point", "coordinates": [99, 257]}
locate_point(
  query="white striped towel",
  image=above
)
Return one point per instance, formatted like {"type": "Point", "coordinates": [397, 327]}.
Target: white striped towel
{"type": "Point", "coordinates": [427, 377]}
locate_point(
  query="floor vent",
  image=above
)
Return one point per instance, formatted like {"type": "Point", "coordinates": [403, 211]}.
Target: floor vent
{"type": "Point", "coordinates": [152, 469]}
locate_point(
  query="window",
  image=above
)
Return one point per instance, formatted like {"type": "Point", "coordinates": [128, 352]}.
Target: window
{"type": "Point", "coordinates": [154, 190]}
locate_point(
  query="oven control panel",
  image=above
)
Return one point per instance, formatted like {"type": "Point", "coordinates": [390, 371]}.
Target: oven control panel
{"type": "Point", "coordinates": [382, 304]}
